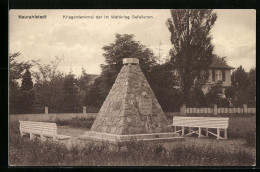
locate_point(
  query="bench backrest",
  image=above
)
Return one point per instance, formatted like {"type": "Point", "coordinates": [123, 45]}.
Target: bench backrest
{"type": "Point", "coordinates": [40, 127]}
{"type": "Point", "coordinates": [203, 122]}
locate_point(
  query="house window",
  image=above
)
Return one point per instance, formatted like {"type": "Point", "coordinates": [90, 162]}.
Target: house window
{"type": "Point", "coordinates": [223, 75]}
{"type": "Point", "coordinates": [219, 75]}
{"type": "Point", "coordinates": [210, 77]}
{"type": "Point", "coordinates": [213, 75]}
{"type": "Point", "coordinates": [216, 75]}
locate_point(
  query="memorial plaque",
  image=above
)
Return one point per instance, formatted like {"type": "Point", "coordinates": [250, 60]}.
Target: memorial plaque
{"type": "Point", "coordinates": [145, 106]}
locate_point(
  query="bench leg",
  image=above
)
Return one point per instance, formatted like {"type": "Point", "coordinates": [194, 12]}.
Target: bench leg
{"type": "Point", "coordinates": [207, 132]}
{"type": "Point", "coordinates": [32, 136]}
{"type": "Point", "coordinates": [218, 133]}
{"type": "Point", "coordinates": [175, 129]}
{"type": "Point", "coordinates": [182, 131]}
{"type": "Point", "coordinates": [43, 138]}
{"type": "Point", "coordinates": [225, 133]}
{"type": "Point", "coordinates": [199, 132]}
{"type": "Point", "coordinates": [68, 142]}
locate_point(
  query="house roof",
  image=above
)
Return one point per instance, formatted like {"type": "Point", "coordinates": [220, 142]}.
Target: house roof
{"type": "Point", "coordinates": [219, 63]}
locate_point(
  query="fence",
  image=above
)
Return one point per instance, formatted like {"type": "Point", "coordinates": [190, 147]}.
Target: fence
{"type": "Point", "coordinates": [49, 117]}
{"type": "Point", "coordinates": [215, 110]}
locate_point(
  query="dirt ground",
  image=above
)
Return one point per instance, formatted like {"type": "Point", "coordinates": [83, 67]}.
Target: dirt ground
{"type": "Point", "coordinates": [229, 144]}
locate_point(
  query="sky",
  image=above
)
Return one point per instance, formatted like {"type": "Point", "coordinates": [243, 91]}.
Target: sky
{"type": "Point", "coordinates": [79, 41]}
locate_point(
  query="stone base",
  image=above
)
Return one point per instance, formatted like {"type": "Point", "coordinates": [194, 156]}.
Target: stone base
{"type": "Point", "coordinates": [98, 136]}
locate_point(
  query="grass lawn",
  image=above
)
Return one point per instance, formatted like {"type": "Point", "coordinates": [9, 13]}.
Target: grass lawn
{"type": "Point", "coordinates": [231, 144]}
{"type": "Point", "coordinates": [239, 149]}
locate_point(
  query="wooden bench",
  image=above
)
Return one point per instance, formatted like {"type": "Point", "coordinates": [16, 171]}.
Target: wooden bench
{"type": "Point", "coordinates": [199, 123]}
{"type": "Point", "coordinates": [42, 129]}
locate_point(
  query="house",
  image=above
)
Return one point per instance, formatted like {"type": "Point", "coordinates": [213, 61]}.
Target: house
{"type": "Point", "coordinates": [219, 72]}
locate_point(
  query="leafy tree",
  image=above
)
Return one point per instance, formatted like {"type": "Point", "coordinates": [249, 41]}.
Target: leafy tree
{"type": "Point", "coordinates": [192, 50]}
{"type": "Point", "coordinates": [15, 73]}
{"type": "Point", "coordinates": [230, 94]}
{"type": "Point", "coordinates": [124, 46]}
{"type": "Point", "coordinates": [83, 84]}
{"type": "Point", "coordinates": [164, 88]}
{"type": "Point", "coordinates": [27, 83]}
{"type": "Point", "coordinates": [197, 98]}
{"type": "Point", "coordinates": [243, 88]}
{"type": "Point", "coordinates": [48, 86]}
{"type": "Point", "coordinates": [94, 97]}
{"type": "Point", "coordinates": [16, 68]}
{"type": "Point", "coordinates": [26, 95]}
{"type": "Point", "coordinates": [251, 88]}
{"type": "Point", "coordinates": [70, 98]}
{"type": "Point", "coordinates": [216, 96]}
{"type": "Point", "coordinates": [240, 81]}
{"type": "Point", "coordinates": [239, 78]}
{"type": "Point", "coordinates": [84, 80]}
{"type": "Point", "coordinates": [46, 72]}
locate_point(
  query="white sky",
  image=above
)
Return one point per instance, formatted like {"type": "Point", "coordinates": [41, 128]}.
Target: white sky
{"type": "Point", "coordinates": [79, 42]}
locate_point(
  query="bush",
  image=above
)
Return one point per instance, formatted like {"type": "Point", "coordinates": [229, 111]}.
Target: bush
{"type": "Point", "coordinates": [250, 138]}
{"type": "Point", "coordinates": [77, 122]}
{"type": "Point", "coordinates": [93, 109]}
{"type": "Point", "coordinates": [243, 127]}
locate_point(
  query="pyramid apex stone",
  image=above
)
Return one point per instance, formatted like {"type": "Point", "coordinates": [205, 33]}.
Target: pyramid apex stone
{"type": "Point", "coordinates": [130, 61]}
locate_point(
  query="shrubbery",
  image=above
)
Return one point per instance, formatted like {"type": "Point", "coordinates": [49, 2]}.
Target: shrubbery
{"type": "Point", "coordinates": [27, 152]}
{"type": "Point", "coordinates": [243, 127]}
{"type": "Point", "coordinates": [77, 122]}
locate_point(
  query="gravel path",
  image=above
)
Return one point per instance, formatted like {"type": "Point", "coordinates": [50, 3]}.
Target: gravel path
{"type": "Point", "coordinates": [74, 133]}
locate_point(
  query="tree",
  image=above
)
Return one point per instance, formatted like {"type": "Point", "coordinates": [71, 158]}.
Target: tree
{"type": "Point", "coordinates": [239, 78]}
{"type": "Point", "coordinates": [197, 98]}
{"type": "Point", "coordinates": [84, 80]}
{"type": "Point", "coordinates": [26, 94]}
{"type": "Point", "coordinates": [251, 88]}
{"type": "Point", "coordinates": [192, 50]}
{"type": "Point", "coordinates": [70, 98]}
{"type": "Point", "coordinates": [244, 87]}
{"type": "Point", "coordinates": [124, 46]}
{"type": "Point", "coordinates": [48, 86]}
{"type": "Point", "coordinates": [164, 88]}
{"type": "Point", "coordinates": [94, 97]}
{"type": "Point", "coordinates": [27, 83]}
{"type": "Point", "coordinates": [83, 83]}
{"type": "Point", "coordinates": [15, 73]}
{"type": "Point", "coordinates": [240, 81]}
{"type": "Point", "coordinates": [217, 96]}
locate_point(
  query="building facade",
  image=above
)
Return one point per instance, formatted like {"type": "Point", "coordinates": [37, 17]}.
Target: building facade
{"type": "Point", "coordinates": [219, 72]}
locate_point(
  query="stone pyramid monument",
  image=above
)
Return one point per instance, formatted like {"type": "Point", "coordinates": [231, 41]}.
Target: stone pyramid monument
{"type": "Point", "coordinates": [130, 109]}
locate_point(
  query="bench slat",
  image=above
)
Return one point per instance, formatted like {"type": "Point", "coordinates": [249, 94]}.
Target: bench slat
{"type": "Point", "coordinates": [203, 122]}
